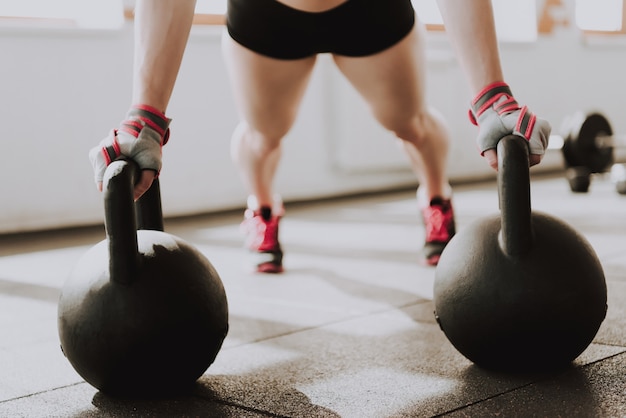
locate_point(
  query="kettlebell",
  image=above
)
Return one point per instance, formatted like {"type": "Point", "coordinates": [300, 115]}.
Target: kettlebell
{"type": "Point", "coordinates": [521, 290]}
{"type": "Point", "coordinates": [143, 312]}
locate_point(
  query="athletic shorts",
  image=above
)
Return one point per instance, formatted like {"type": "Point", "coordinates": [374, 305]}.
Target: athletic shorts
{"type": "Point", "coordinates": [355, 28]}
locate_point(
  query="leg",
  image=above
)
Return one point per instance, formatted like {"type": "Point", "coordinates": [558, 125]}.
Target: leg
{"type": "Point", "coordinates": [392, 83]}
{"type": "Point", "coordinates": [267, 92]}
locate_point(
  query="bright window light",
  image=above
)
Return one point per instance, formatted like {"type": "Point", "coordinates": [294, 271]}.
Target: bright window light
{"type": "Point", "coordinates": [600, 15]}
{"type": "Point", "coordinates": [516, 20]}
{"type": "Point", "coordinates": [428, 12]}
{"type": "Point", "coordinates": [211, 7]}
{"type": "Point", "coordinates": [94, 14]}
{"type": "Point", "coordinates": [426, 9]}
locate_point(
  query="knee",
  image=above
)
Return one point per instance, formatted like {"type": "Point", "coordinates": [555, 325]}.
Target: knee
{"type": "Point", "coordinates": [260, 142]}
{"type": "Point", "coordinates": [425, 128]}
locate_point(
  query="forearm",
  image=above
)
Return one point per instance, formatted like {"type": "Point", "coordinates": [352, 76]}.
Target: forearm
{"type": "Point", "coordinates": [471, 29]}
{"type": "Point", "coordinates": [161, 32]}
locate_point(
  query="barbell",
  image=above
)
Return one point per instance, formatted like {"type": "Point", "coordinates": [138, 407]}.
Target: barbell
{"type": "Point", "coordinates": [588, 145]}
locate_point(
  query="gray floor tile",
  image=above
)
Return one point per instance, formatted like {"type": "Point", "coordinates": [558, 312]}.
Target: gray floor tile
{"type": "Point", "coordinates": [596, 390]}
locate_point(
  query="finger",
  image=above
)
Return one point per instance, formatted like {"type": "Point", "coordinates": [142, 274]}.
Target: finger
{"type": "Point", "coordinates": [534, 159]}
{"type": "Point", "coordinates": [99, 185]}
{"type": "Point", "coordinates": [492, 158]}
{"type": "Point", "coordinates": [147, 176]}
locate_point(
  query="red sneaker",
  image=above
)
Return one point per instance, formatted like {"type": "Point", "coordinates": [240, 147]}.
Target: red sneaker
{"type": "Point", "coordinates": [261, 230]}
{"type": "Point", "coordinates": [438, 219]}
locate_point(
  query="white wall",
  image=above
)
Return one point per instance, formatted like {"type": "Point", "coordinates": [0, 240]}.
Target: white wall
{"type": "Point", "coordinates": [63, 90]}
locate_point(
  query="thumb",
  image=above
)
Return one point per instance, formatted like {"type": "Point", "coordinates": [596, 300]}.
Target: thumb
{"type": "Point", "coordinates": [492, 158]}
{"type": "Point", "coordinates": [147, 177]}
{"type": "Point", "coordinates": [535, 159]}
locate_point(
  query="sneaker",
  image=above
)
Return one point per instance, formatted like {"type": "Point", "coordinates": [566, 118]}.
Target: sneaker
{"type": "Point", "coordinates": [261, 230]}
{"type": "Point", "coordinates": [438, 219]}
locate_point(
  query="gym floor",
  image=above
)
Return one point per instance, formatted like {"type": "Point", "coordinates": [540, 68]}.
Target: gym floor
{"type": "Point", "coordinates": [347, 331]}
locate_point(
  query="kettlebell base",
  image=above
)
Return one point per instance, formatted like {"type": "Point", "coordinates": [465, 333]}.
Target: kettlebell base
{"type": "Point", "coordinates": [535, 311]}
{"type": "Point", "coordinates": [155, 335]}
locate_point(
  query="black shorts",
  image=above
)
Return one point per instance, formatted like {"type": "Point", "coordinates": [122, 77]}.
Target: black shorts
{"type": "Point", "coordinates": [354, 28]}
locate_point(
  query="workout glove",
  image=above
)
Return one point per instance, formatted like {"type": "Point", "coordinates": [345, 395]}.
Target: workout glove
{"type": "Point", "coordinates": [498, 114]}
{"type": "Point", "coordinates": [139, 137]}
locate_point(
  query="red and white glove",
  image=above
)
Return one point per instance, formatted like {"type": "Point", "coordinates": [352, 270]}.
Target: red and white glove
{"type": "Point", "coordinates": [139, 137]}
{"type": "Point", "coordinates": [496, 112]}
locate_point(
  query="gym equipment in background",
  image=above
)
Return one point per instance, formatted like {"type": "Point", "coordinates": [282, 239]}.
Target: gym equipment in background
{"type": "Point", "coordinates": [588, 146]}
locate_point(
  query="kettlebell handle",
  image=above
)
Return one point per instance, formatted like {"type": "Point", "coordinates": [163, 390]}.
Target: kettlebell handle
{"type": "Point", "coordinates": [122, 216]}
{"type": "Point", "coordinates": [516, 236]}
{"type": "Point", "coordinates": [149, 212]}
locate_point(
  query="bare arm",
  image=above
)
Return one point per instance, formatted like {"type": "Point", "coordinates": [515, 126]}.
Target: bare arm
{"type": "Point", "coordinates": [471, 29]}
{"type": "Point", "coordinates": [161, 32]}
{"type": "Point", "coordinates": [162, 29]}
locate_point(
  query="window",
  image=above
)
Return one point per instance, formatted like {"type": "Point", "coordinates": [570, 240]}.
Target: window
{"type": "Point", "coordinates": [516, 20]}
{"type": "Point", "coordinates": [210, 12]}
{"type": "Point", "coordinates": [211, 7]}
{"type": "Point", "coordinates": [605, 17]}
{"type": "Point", "coordinates": [428, 13]}
{"type": "Point", "coordinates": [601, 16]}
{"type": "Point", "coordinates": [94, 14]}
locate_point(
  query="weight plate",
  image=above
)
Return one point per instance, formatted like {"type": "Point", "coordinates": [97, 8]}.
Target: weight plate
{"type": "Point", "coordinates": [580, 147]}
{"type": "Point", "coordinates": [579, 179]}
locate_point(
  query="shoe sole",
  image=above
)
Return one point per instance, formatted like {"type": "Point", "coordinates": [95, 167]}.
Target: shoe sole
{"type": "Point", "coordinates": [266, 262]}
{"type": "Point", "coordinates": [431, 253]}
{"type": "Point", "coordinates": [430, 261]}
{"type": "Point", "coordinates": [269, 268]}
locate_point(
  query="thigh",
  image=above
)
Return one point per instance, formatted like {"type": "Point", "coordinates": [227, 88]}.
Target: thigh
{"type": "Point", "coordinates": [267, 91]}
{"type": "Point", "coordinates": [391, 81]}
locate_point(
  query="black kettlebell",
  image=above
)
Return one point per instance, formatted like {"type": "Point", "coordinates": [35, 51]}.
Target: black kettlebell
{"type": "Point", "coordinates": [522, 290]}
{"type": "Point", "coordinates": [143, 312]}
